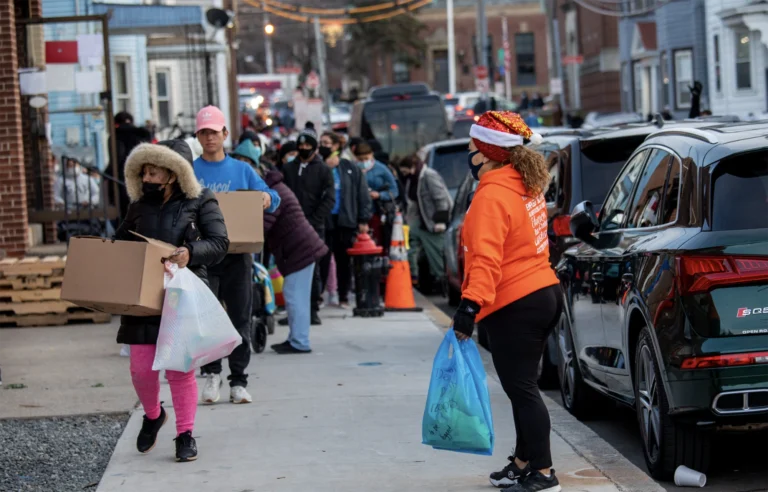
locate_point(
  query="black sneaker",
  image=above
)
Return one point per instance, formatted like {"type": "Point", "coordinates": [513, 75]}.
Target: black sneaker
{"type": "Point", "coordinates": [276, 346]}
{"type": "Point", "coordinates": [509, 475]}
{"type": "Point", "coordinates": [289, 349]}
{"type": "Point", "coordinates": [149, 429]}
{"type": "Point", "coordinates": [536, 482]}
{"type": "Point", "coordinates": [315, 320]}
{"type": "Point", "coordinates": [186, 448]}
{"type": "Point", "coordinates": [283, 321]}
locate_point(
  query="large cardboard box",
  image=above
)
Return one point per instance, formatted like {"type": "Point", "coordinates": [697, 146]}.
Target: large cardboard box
{"type": "Point", "coordinates": [121, 277]}
{"type": "Point", "coordinates": [244, 215]}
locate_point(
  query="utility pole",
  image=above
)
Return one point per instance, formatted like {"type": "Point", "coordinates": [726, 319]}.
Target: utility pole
{"type": "Point", "coordinates": [325, 93]}
{"type": "Point", "coordinates": [557, 59]}
{"type": "Point", "coordinates": [482, 43]}
{"type": "Point", "coordinates": [268, 30]}
{"type": "Point", "coordinates": [232, 45]}
{"type": "Point", "coordinates": [507, 60]}
{"type": "Point", "coordinates": [451, 49]}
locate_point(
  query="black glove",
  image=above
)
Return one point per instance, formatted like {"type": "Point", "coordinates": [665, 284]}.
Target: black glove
{"type": "Point", "coordinates": [464, 318]}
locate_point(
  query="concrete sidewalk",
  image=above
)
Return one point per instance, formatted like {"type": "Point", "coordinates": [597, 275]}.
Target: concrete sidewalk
{"type": "Point", "coordinates": [345, 418]}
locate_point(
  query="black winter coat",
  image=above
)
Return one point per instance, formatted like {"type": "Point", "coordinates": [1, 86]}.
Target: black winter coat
{"type": "Point", "coordinates": [289, 236]}
{"type": "Point", "coordinates": [313, 188]}
{"type": "Point", "coordinates": [356, 205]}
{"type": "Point", "coordinates": [196, 223]}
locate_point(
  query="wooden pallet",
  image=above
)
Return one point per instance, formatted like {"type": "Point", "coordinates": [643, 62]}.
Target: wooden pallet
{"type": "Point", "coordinates": [54, 319]}
{"type": "Point", "coordinates": [41, 307]}
{"type": "Point", "coordinates": [31, 283]}
{"type": "Point", "coordinates": [19, 295]}
{"type": "Point", "coordinates": [44, 267]}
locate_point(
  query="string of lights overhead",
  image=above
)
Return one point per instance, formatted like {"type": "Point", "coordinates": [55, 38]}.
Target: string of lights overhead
{"type": "Point", "coordinates": [339, 16]}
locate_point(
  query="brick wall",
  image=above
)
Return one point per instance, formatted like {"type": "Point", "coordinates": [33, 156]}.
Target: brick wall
{"type": "Point", "coordinates": [13, 199]}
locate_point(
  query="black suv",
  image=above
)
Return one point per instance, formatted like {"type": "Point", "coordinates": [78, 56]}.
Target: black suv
{"type": "Point", "coordinates": [667, 295]}
{"type": "Point", "coordinates": [402, 117]}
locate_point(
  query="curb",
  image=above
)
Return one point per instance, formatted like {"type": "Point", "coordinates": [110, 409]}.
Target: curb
{"type": "Point", "coordinates": [584, 441]}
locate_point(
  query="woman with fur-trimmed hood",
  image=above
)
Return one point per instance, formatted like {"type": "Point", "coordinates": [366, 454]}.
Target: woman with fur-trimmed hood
{"type": "Point", "coordinates": [168, 204]}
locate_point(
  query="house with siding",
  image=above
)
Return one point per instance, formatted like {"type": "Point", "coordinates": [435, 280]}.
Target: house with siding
{"type": "Point", "coordinates": [737, 52]}
{"type": "Point", "coordinates": [662, 53]}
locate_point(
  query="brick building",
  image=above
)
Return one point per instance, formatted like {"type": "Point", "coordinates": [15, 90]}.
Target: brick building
{"type": "Point", "coordinates": [594, 85]}
{"type": "Point", "coordinates": [527, 30]}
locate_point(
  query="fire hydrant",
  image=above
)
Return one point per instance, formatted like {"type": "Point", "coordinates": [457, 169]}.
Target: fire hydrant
{"type": "Point", "coordinates": [369, 268]}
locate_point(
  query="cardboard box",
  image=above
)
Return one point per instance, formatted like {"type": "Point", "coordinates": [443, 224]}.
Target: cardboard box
{"type": "Point", "coordinates": [124, 277]}
{"type": "Point", "coordinates": [244, 215]}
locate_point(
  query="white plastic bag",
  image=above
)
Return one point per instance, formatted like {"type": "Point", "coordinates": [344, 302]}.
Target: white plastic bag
{"type": "Point", "coordinates": [194, 329]}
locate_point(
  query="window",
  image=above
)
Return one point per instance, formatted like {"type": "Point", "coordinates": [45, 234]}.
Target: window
{"type": "Point", "coordinates": [163, 91]}
{"type": "Point", "coordinates": [526, 59]}
{"type": "Point", "coordinates": [665, 80]}
{"type": "Point", "coordinates": [683, 77]}
{"type": "Point", "coordinates": [646, 208]}
{"type": "Point", "coordinates": [718, 76]}
{"type": "Point", "coordinates": [740, 192]}
{"type": "Point", "coordinates": [616, 204]}
{"type": "Point", "coordinates": [743, 59]}
{"type": "Point", "coordinates": [672, 193]}
{"type": "Point", "coordinates": [400, 72]}
{"type": "Point", "coordinates": [123, 84]}
{"type": "Point", "coordinates": [638, 86]}
{"type": "Point", "coordinates": [601, 162]}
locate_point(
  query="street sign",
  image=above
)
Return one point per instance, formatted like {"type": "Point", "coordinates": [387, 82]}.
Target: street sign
{"type": "Point", "coordinates": [555, 86]}
{"type": "Point", "coordinates": [481, 85]}
{"type": "Point", "coordinates": [481, 72]}
{"type": "Point", "coordinates": [573, 60]}
{"type": "Point", "coordinates": [313, 81]}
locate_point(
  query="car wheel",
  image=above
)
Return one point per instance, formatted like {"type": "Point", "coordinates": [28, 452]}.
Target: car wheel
{"type": "Point", "coordinates": [258, 335]}
{"type": "Point", "coordinates": [666, 443]}
{"type": "Point", "coordinates": [578, 398]}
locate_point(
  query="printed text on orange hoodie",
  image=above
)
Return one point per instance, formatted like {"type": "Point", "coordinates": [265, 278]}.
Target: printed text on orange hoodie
{"type": "Point", "coordinates": [506, 248]}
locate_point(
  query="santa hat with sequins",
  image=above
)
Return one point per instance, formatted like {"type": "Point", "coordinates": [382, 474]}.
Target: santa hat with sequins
{"type": "Point", "coordinates": [498, 131]}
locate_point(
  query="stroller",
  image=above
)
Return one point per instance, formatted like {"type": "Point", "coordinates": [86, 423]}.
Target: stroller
{"type": "Point", "coordinates": [264, 307]}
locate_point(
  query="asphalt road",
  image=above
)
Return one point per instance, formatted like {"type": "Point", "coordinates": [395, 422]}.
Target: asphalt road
{"type": "Point", "coordinates": [740, 463]}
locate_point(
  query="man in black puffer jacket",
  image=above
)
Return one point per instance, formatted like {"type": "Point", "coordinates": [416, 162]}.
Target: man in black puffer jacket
{"type": "Point", "coordinates": [312, 183]}
{"type": "Point", "coordinates": [168, 203]}
{"type": "Point", "coordinates": [296, 248]}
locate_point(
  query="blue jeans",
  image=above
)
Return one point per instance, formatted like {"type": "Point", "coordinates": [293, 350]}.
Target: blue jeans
{"type": "Point", "coordinates": [297, 292]}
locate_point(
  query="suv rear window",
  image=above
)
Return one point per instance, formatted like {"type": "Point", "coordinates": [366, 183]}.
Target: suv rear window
{"type": "Point", "coordinates": [601, 161]}
{"type": "Point", "coordinates": [740, 192]}
{"type": "Point", "coordinates": [403, 127]}
{"type": "Point", "coordinates": [450, 161]}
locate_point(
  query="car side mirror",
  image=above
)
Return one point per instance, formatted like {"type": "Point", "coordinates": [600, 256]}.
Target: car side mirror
{"type": "Point", "coordinates": [584, 222]}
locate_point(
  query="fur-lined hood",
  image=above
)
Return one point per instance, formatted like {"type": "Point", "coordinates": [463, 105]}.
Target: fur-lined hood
{"type": "Point", "coordinates": [174, 155]}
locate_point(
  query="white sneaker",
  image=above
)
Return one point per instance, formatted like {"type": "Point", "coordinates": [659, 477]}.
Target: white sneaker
{"type": "Point", "coordinates": [333, 299]}
{"type": "Point", "coordinates": [238, 394]}
{"type": "Point", "coordinates": [211, 388]}
{"type": "Point", "coordinates": [125, 351]}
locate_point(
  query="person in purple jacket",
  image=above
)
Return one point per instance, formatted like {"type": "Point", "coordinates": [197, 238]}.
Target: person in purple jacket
{"type": "Point", "coordinates": [296, 247]}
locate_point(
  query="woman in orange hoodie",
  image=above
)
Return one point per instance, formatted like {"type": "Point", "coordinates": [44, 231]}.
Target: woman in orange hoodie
{"type": "Point", "coordinates": [509, 286]}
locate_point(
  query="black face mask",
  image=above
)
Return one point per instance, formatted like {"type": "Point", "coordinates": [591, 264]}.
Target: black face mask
{"type": "Point", "coordinates": [474, 168]}
{"type": "Point", "coordinates": [304, 154]}
{"type": "Point", "coordinates": [153, 192]}
{"type": "Point", "coordinates": [325, 152]}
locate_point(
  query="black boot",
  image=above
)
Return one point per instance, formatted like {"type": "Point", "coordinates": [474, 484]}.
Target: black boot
{"type": "Point", "coordinates": [149, 429]}
{"type": "Point", "coordinates": [186, 447]}
{"type": "Point", "coordinates": [315, 319]}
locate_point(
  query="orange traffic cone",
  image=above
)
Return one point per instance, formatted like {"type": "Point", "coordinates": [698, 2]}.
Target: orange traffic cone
{"type": "Point", "coordinates": [399, 294]}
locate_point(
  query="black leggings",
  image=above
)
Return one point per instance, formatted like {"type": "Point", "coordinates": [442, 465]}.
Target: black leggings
{"type": "Point", "coordinates": [518, 334]}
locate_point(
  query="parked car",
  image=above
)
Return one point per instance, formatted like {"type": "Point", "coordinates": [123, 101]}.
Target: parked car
{"type": "Point", "coordinates": [666, 306]}
{"type": "Point", "coordinates": [461, 127]}
{"type": "Point", "coordinates": [462, 104]}
{"type": "Point", "coordinates": [402, 117]}
{"type": "Point", "coordinates": [449, 159]}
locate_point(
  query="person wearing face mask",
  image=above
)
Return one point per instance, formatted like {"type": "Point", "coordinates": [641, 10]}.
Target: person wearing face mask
{"type": "Point", "coordinates": [232, 279]}
{"type": "Point", "coordinates": [509, 286]}
{"type": "Point", "coordinates": [349, 216]}
{"type": "Point", "coordinates": [168, 204]}
{"type": "Point", "coordinates": [428, 213]}
{"type": "Point", "coordinates": [312, 183]}
{"type": "Point", "coordinates": [287, 153]}
{"type": "Point", "coordinates": [382, 188]}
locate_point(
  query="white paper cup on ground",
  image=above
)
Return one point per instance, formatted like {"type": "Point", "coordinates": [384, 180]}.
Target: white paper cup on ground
{"type": "Point", "coordinates": [685, 477]}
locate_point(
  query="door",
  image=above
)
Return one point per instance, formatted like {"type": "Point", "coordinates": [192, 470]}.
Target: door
{"type": "Point", "coordinates": [440, 71]}
{"type": "Point", "coordinates": [636, 258]}
{"type": "Point", "coordinates": [598, 272]}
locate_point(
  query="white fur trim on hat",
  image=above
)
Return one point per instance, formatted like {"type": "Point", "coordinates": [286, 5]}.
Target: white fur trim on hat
{"type": "Point", "coordinates": [160, 156]}
{"type": "Point", "coordinates": [495, 137]}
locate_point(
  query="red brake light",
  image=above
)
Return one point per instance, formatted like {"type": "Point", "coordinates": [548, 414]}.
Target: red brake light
{"type": "Point", "coordinates": [561, 226]}
{"type": "Point", "coordinates": [402, 97]}
{"type": "Point", "coordinates": [470, 112]}
{"type": "Point", "coordinates": [730, 360]}
{"type": "Point", "coordinates": [459, 107]}
{"type": "Point", "coordinates": [697, 274]}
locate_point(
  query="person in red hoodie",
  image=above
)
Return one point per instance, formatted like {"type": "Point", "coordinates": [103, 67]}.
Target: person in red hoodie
{"type": "Point", "coordinates": [509, 286]}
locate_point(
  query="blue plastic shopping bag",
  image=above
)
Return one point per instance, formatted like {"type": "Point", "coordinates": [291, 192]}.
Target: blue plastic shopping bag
{"type": "Point", "coordinates": [458, 416]}
{"type": "Point", "coordinates": [261, 276]}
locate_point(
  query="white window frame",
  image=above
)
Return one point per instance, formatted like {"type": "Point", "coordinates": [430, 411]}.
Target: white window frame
{"type": "Point", "coordinates": [682, 84]}
{"type": "Point", "coordinates": [738, 34]}
{"type": "Point", "coordinates": [717, 43]}
{"type": "Point", "coordinates": [637, 87]}
{"type": "Point", "coordinates": [124, 100]}
{"type": "Point", "coordinates": [167, 98]}
{"type": "Point", "coordinates": [665, 79]}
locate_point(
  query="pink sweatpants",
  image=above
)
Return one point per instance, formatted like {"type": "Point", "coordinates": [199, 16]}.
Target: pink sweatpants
{"type": "Point", "coordinates": [332, 286]}
{"type": "Point", "coordinates": [147, 385]}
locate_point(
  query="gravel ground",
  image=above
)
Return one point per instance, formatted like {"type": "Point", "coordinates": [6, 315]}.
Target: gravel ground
{"type": "Point", "coordinates": [60, 454]}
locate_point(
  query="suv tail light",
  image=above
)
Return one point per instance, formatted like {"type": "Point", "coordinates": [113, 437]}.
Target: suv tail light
{"type": "Point", "coordinates": [697, 274]}
{"type": "Point", "coordinates": [561, 226]}
{"type": "Point", "coordinates": [729, 360]}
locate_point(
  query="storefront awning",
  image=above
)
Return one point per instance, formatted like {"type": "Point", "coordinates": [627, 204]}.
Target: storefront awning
{"type": "Point", "coordinates": [151, 19]}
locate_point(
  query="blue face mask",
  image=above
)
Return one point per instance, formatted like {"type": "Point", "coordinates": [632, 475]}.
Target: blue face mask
{"type": "Point", "coordinates": [290, 158]}
{"type": "Point", "coordinates": [474, 168]}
